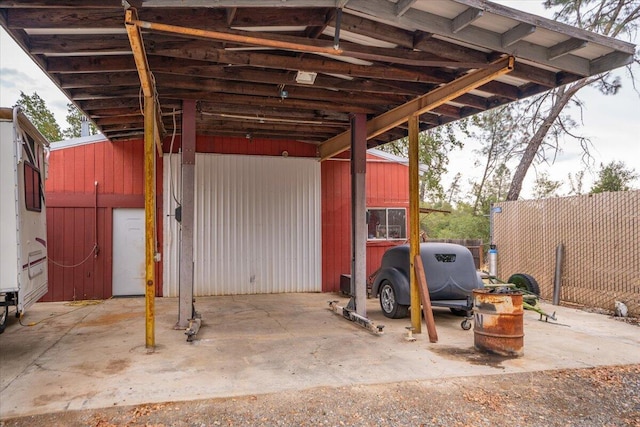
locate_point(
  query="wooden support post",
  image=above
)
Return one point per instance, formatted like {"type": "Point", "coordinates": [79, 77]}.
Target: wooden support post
{"type": "Point", "coordinates": [414, 222]}
{"type": "Point", "coordinates": [186, 224]}
{"type": "Point", "coordinates": [426, 300]}
{"type": "Point", "coordinates": [150, 212]}
{"type": "Point", "coordinates": [358, 213]}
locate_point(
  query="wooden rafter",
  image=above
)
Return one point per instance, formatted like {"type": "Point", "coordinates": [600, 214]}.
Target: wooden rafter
{"type": "Point", "coordinates": [147, 83]}
{"type": "Point", "coordinates": [392, 51]}
{"type": "Point", "coordinates": [420, 105]}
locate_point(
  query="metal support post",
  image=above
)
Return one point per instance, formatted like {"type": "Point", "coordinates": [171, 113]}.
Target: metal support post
{"type": "Point", "coordinates": [358, 213]}
{"type": "Point", "coordinates": [557, 277]}
{"type": "Point", "coordinates": [414, 223]}
{"type": "Point", "coordinates": [186, 310]}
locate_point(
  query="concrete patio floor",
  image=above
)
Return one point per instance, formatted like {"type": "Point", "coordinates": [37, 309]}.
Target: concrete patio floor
{"type": "Point", "coordinates": [85, 357]}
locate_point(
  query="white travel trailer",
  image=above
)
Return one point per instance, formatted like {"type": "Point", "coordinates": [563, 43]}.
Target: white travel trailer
{"type": "Point", "coordinates": [23, 227]}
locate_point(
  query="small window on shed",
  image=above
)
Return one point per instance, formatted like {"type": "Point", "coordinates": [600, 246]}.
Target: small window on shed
{"type": "Point", "coordinates": [387, 223]}
{"type": "Point", "coordinates": [32, 190]}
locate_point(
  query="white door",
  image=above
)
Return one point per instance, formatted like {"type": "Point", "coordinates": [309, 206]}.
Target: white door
{"type": "Point", "coordinates": [128, 252]}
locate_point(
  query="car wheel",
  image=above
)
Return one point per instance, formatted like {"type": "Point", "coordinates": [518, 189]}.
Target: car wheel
{"type": "Point", "coordinates": [525, 282]}
{"type": "Point", "coordinates": [389, 303]}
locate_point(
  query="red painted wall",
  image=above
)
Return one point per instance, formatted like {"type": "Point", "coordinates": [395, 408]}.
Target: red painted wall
{"type": "Point", "coordinates": [387, 186]}
{"type": "Point", "coordinates": [255, 146]}
{"type": "Point", "coordinates": [73, 218]}
{"type": "Point", "coordinates": [79, 214]}
{"type": "Point", "coordinates": [75, 211]}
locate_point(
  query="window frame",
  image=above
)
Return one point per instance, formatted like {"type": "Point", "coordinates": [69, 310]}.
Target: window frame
{"type": "Point", "coordinates": [386, 224]}
{"type": "Point", "coordinates": [32, 188]}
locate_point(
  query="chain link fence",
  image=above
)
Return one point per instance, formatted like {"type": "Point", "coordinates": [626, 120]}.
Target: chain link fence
{"type": "Point", "coordinates": [601, 238]}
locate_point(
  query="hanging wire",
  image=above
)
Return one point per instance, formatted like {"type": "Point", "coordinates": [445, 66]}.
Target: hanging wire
{"type": "Point", "coordinates": [95, 246]}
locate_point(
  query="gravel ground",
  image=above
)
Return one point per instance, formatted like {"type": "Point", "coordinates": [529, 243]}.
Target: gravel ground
{"type": "Point", "coordinates": [604, 396]}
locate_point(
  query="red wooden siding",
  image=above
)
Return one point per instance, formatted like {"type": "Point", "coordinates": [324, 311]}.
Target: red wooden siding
{"type": "Point", "coordinates": [118, 169]}
{"type": "Point", "coordinates": [70, 241]}
{"type": "Point", "coordinates": [256, 146]}
{"type": "Point", "coordinates": [73, 209]}
{"type": "Point", "coordinates": [387, 185]}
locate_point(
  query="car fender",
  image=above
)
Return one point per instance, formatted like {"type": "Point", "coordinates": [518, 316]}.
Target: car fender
{"type": "Point", "coordinates": [400, 282]}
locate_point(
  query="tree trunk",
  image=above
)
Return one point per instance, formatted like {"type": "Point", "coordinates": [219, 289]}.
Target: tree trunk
{"type": "Point", "coordinates": [561, 99]}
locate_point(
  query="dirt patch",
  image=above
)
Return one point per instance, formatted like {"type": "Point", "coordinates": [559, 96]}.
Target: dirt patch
{"type": "Point", "coordinates": [43, 399]}
{"type": "Point", "coordinates": [606, 396]}
{"type": "Point", "coordinates": [470, 355]}
{"type": "Point", "coordinates": [116, 366]}
{"type": "Point", "coordinates": [112, 318]}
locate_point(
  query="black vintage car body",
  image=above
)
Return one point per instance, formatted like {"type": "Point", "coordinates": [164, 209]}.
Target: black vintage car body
{"type": "Point", "coordinates": [449, 269]}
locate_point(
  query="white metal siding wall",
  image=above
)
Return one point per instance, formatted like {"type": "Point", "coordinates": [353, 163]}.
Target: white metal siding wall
{"type": "Point", "coordinates": [257, 227]}
{"type": "Point", "coordinates": [170, 228]}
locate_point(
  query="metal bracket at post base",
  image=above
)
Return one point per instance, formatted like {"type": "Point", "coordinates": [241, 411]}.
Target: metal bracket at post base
{"type": "Point", "coordinates": [194, 326]}
{"type": "Point", "coordinates": [350, 314]}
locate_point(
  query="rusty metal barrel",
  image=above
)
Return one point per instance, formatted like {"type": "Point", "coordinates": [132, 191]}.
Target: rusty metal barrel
{"type": "Point", "coordinates": [498, 322]}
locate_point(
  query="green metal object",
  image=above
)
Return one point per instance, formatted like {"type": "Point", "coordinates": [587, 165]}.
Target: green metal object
{"type": "Point", "coordinates": [530, 300]}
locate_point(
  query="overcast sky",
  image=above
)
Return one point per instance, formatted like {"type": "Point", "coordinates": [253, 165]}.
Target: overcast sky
{"type": "Point", "coordinates": [611, 122]}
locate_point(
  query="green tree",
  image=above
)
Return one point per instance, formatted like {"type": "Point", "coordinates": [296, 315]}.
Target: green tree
{"type": "Point", "coordinates": [494, 190]}
{"type": "Point", "coordinates": [497, 132]}
{"type": "Point", "coordinates": [74, 118]}
{"type": "Point", "coordinates": [545, 187]}
{"type": "Point", "coordinates": [461, 223]}
{"type": "Point", "coordinates": [548, 118]}
{"type": "Point", "coordinates": [39, 114]}
{"type": "Point", "coordinates": [614, 177]}
{"type": "Point", "coordinates": [435, 146]}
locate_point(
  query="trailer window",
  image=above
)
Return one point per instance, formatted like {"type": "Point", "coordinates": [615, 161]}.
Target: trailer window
{"type": "Point", "coordinates": [386, 224]}
{"type": "Point", "coordinates": [32, 190]}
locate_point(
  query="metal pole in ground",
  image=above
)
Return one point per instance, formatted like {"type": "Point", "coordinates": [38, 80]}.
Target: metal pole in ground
{"type": "Point", "coordinates": [557, 278]}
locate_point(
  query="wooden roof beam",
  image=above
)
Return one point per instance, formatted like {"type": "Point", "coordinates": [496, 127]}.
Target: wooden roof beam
{"type": "Point", "coordinates": [517, 33]}
{"type": "Point", "coordinates": [144, 73]}
{"type": "Point", "coordinates": [235, 37]}
{"type": "Point", "coordinates": [270, 102]}
{"type": "Point", "coordinates": [277, 78]}
{"type": "Point", "coordinates": [272, 112]}
{"type": "Point", "coordinates": [403, 5]}
{"type": "Point", "coordinates": [266, 90]}
{"type": "Point", "coordinates": [427, 102]}
{"type": "Point", "coordinates": [465, 19]}
{"type": "Point", "coordinates": [324, 65]}
{"type": "Point", "coordinates": [384, 32]}
{"type": "Point", "coordinates": [431, 23]}
{"type": "Point", "coordinates": [565, 48]}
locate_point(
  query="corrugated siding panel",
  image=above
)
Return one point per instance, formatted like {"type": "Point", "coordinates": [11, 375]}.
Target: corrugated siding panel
{"type": "Point", "coordinates": [257, 227]}
{"type": "Point", "coordinates": [171, 230]}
